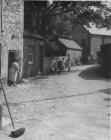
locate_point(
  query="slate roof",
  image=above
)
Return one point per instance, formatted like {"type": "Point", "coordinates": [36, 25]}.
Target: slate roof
{"type": "Point", "coordinates": [34, 35]}
{"type": "Point", "coordinates": [70, 44]}
{"type": "Point", "coordinates": [95, 30]}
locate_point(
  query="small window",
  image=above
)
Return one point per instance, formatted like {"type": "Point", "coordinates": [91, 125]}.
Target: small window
{"type": "Point", "coordinates": [31, 54]}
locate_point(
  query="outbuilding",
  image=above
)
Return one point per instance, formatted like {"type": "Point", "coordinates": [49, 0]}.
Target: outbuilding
{"type": "Point", "coordinates": [72, 49]}
{"type": "Point", "coordinates": [33, 49]}
{"type": "Point", "coordinates": [90, 39]}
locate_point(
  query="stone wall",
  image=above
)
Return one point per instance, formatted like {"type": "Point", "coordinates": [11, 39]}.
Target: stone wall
{"type": "Point", "coordinates": [12, 22]}
{"type": "Point", "coordinates": [0, 18]}
{"type": "Point", "coordinates": [0, 32]}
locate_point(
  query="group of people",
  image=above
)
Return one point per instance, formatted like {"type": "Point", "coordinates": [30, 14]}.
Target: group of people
{"type": "Point", "coordinates": [59, 64]}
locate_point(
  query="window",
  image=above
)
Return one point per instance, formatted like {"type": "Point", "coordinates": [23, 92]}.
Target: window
{"type": "Point", "coordinates": [31, 54]}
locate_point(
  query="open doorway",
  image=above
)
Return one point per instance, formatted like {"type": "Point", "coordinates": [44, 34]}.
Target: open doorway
{"type": "Point", "coordinates": [11, 58]}
{"type": "Point", "coordinates": [41, 58]}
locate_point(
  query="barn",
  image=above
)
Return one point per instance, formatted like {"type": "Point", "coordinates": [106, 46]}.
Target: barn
{"type": "Point", "coordinates": [90, 39]}
{"type": "Point", "coordinates": [72, 49]}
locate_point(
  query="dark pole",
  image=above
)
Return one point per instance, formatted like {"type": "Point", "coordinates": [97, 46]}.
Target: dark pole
{"type": "Point", "coordinates": [7, 104]}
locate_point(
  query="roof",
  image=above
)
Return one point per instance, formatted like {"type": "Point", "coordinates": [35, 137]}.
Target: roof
{"type": "Point", "coordinates": [34, 35]}
{"type": "Point", "coordinates": [53, 49]}
{"type": "Point", "coordinates": [102, 31]}
{"type": "Point", "coordinates": [106, 45]}
{"type": "Point", "coordinates": [70, 44]}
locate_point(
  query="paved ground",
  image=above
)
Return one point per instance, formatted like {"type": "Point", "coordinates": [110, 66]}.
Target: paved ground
{"type": "Point", "coordinates": [69, 106]}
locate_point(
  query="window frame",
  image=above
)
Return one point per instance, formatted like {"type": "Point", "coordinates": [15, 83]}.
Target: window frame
{"type": "Point", "coordinates": [31, 54]}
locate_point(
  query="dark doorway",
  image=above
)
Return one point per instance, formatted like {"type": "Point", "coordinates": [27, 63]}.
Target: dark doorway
{"type": "Point", "coordinates": [41, 58]}
{"type": "Point", "coordinates": [11, 58]}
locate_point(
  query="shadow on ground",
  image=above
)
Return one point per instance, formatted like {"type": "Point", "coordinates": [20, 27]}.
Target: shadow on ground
{"type": "Point", "coordinates": [107, 99]}
{"type": "Point", "coordinates": [106, 91]}
{"type": "Point", "coordinates": [92, 73]}
{"type": "Point", "coordinates": [55, 98]}
{"type": "Point", "coordinates": [45, 76]}
{"type": "Point", "coordinates": [63, 72]}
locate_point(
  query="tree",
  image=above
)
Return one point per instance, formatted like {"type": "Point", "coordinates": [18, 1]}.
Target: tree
{"type": "Point", "coordinates": [60, 16]}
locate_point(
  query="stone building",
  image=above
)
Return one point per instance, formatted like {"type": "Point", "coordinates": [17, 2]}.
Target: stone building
{"type": "Point", "coordinates": [0, 33]}
{"type": "Point", "coordinates": [12, 34]}
{"type": "Point", "coordinates": [15, 43]}
{"type": "Point", "coordinates": [90, 39]}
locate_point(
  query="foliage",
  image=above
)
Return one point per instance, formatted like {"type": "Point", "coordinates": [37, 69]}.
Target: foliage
{"type": "Point", "coordinates": [61, 16]}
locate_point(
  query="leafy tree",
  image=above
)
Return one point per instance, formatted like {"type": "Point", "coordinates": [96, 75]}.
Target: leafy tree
{"type": "Point", "coordinates": [61, 16]}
